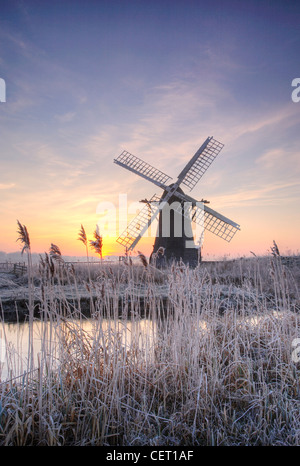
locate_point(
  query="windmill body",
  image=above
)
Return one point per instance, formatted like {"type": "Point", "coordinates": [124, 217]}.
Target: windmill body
{"type": "Point", "coordinates": [176, 210]}
{"type": "Point", "coordinates": [174, 232]}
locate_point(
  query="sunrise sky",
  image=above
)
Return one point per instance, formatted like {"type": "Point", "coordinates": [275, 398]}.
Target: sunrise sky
{"type": "Point", "coordinates": [86, 80]}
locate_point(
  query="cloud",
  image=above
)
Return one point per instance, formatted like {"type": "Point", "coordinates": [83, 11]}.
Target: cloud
{"type": "Point", "coordinates": [279, 159]}
{"type": "Point", "coordinates": [173, 121]}
{"type": "Point", "coordinates": [267, 194]}
{"type": "Point", "coordinates": [282, 117]}
{"type": "Point", "coordinates": [6, 185]}
{"type": "Point", "coordinates": [66, 117]}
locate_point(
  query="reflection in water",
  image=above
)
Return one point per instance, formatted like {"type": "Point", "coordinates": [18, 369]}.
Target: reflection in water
{"type": "Point", "coordinates": [137, 335]}
{"type": "Point", "coordinates": [47, 341]}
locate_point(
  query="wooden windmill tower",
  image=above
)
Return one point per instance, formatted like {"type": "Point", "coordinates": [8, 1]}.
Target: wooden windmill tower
{"type": "Point", "coordinates": [176, 210]}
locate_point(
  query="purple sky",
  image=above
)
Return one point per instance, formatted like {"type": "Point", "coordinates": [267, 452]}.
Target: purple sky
{"type": "Point", "coordinates": [85, 80]}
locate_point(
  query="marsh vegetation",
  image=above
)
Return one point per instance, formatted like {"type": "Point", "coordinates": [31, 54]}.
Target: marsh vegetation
{"type": "Point", "coordinates": [208, 362]}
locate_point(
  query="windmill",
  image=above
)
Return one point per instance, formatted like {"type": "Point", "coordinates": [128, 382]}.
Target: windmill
{"type": "Point", "coordinates": [174, 232]}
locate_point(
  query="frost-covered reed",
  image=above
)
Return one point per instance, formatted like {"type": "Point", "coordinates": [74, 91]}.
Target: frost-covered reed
{"type": "Point", "coordinates": [213, 367]}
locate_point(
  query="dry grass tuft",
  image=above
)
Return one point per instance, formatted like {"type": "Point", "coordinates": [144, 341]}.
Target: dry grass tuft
{"type": "Point", "coordinates": [23, 237]}
{"type": "Point", "coordinates": [143, 259]}
{"type": "Point", "coordinates": [97, 243]}
{"type": "Point", "coordinates": [82, 235]}
{"type": "Point", "coordinates": [55, 253]}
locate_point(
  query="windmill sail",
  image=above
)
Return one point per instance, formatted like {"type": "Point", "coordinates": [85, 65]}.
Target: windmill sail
{"type": "Point", "coordinates": [201, 161]}
{"type": "Point", "coordinates": [144, 169]}
{"type": "Point", "coordinates": [140, 224]}
{"type": "Point", "coordinates": [219, 225]}
{"type": "Point", "coordinates": [209, 219]}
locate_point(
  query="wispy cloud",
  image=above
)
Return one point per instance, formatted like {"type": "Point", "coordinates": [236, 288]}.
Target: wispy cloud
{"type": "Point", "coordinates": [7, 185]}
{"type": "Point", "coordinates": [265, 195]}
{"type": "Point", "coordinates": [66, 117]}
{"type": "Point", "coordinates": [280, 159]}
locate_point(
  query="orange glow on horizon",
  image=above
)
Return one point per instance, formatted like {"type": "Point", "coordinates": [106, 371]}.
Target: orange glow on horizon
{"type": "Point", "coordinates": [43, 234]}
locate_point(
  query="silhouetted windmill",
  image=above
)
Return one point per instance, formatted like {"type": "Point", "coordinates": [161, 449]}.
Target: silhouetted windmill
{"type": "Point", "coordinates": [176, 209]}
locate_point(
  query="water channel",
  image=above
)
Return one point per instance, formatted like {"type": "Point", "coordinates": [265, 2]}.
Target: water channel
{"type": "Point", "coordinates": [46, 339]}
